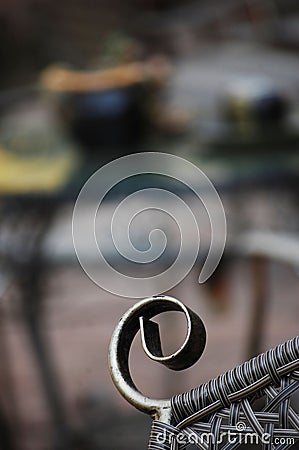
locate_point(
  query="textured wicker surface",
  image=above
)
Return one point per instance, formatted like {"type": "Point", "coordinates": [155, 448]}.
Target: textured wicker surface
{"type": "Point", "coordinates": [251, 404]}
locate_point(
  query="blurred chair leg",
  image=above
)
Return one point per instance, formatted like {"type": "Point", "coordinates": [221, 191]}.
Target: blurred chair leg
{"type": "Point", "coordinates": [259, 271]}
{"type": "Point", "coordinates": [6, 440]}
{"type": "Point", "coordinates": [31, 288]}
{"type": "Point", "coordinates": [7, 389]}
{"type": "Point", "coordinates": [261, 247]}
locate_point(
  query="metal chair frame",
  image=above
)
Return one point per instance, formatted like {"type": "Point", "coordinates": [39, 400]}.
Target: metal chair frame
{"type": "Point", "coordinates": [223, 413]}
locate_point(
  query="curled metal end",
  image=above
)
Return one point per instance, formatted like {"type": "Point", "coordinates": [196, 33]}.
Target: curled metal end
{"type": "Point", "coordinates": [139, 317]}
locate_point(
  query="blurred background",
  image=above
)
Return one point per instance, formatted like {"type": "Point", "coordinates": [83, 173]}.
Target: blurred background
{"type": "Point", "coordinates": [84, 82]}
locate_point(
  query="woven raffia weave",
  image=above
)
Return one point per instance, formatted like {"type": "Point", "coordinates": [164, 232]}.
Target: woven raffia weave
{"type": "Point", "coordinates": [252, 404]}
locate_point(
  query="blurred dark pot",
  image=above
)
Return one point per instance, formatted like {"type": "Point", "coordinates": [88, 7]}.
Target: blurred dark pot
{"type": "Point", "coordinates": [108, 110]}
{"type": "Point", "coordinates": [270, 109]}
{"type": "Point", "coordinates": [112, 118]}
{"type": "Point", "coordinates": [255, 104]}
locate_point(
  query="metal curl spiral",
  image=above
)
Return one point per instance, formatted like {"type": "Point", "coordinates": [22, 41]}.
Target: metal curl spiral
{"type": "Point", "coordinates": [139, 317]}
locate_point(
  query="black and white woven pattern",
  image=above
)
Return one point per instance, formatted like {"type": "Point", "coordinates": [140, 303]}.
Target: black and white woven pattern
{"type": "Point", "coordinates": [224, 413]}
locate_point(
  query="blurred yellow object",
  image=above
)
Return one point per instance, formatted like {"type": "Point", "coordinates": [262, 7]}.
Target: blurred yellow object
{"type": "Point", "coordinates": [60, 79]}
{"type": "Point", "coordinates": [21, 175]}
